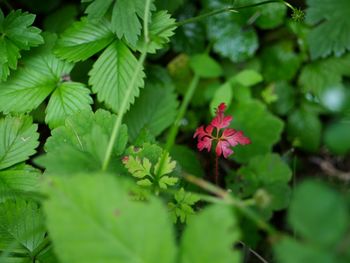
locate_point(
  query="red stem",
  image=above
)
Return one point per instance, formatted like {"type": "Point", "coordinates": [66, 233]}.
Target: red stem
{"type": "Point", "coordinates": [216, 170]}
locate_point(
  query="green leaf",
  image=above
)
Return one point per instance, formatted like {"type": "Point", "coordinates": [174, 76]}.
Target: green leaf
{"type": "Point", "coordinates": [99, 211]}
{"type": "Point", "coordinates": [320, 74]}
{"type": "Point", "coordinates": [145, 114]}
{"type": "Point", "coordinates": [80, 144]}
{"type": "Point", "coordinates": [189, 38]}
{"type": "Point", "coordinates": [289, 250]}
{"type": "Point", "coordinates": [316, 202]}
{"type": "Point", "coordinates": [29, 86]}
{"type": "Point", "coordinates": [138, 168]}
{"type": "Point", "coordinates": [68, 98]}
{"type": "Point", "coordinates": [335, 25]}
{"type": "Point", "coordinates": [84, 39]}
{"type": "Point", "coordinates": [161, 29]}
{"type": "Point", "coordinates": [336, 137]}
{"type": "Point", "coordinates": [18, 140]}
{"type": "Point", "coordinates": [17, 179]}
{"type": "Point", "coordinates": [21, 225]}
{"type": "Point", "coordinates": [285, 97]}
{"type": "Point", "coordinates": [250, 117]}
{"type": "Point", "coordinates": [209, 237]}
{"type": "Point", "coordinates": [187, 160]}
{"type": "Point", "coordinates": [279, 62]}
{"type": "Point", "coordinates": [248, 77]}
{"type": "Point", "coordinates": [227, 35]}
{"type": "Point", "coordinates": [98, 8]}
{"type": "Point", "coordinates": [205, 66]}
{"type": "Point", "coordinates": [111, 75]}
{"type": "Point", "coordinates": [182, 209]}
{"type": "Point", "coordinates": [127, 24]}
{"type": "Point", "coordinates": [305, 128]}
{"type": "Point", "coordinates": [268, 173]}
{"type": "Point", "coordinates": [271, 15]}
{"type": "Point", "coordinates": [167, 167]}
{"type": "Point", "coordinates": [17, 34]}
{"type": "Point", "coordinates": [61, 19]}
{"type": "Point", "coordinates": [222, 94]}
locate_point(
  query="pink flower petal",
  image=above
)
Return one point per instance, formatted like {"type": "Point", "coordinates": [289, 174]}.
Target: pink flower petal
{"type": "Point", "coordinates": [235, 138]}
{"type": "Point", "coordinates": [205, 143]}
{"type": "Point", "coordinates": [223, 147]}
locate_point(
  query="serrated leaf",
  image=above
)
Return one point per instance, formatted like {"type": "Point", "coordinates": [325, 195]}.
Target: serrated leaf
{"type": "Point", "coordinates": [112, 73]}
{"type": "Point", "coordinates": [156, 117]}
{"type": "Point", "coordinates": [21, 225]}
{"type": "Point", "coordinates": [166, 181]}
{"type": "Point", "coordinates": [99, 210]}
{"type": "Point", "coordinates": [29, 86]}
{"type": "Point", "coordinates": [139, 168]}
{"type": "Point", "coordinates": [144, 182]}
{"type": "Point", "coordinates": [161, 29]}
{"type": "Point", "coordinates": [250, 117]}
{"type": "Point", "coordinates": [167, 167]}
{"type": "Point", "coordinates": [209, 236]}
{"type": "Point", "coordinates": [335, 25]}
{"type": "Point", "coordinates": [80, 144]}
{"type": "Point", "coordinates": [98, 8]}
{"type": "Point", "coordinates": [68, 98]}
{"type": "Point", "coordinates": [18, 179]}
{"type": "Point", "coordinates": [305, 128]}
{"type": "Point", "coordinates": [18, 140]}
{"type": "Point", "coordinates": [248, 77]}
{"type": "Point", "coordinates": [84, 39]}
{"type": "Point", "coordinates": [17, 34]}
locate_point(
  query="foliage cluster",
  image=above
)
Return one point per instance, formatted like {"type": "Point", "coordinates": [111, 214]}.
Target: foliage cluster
{"type": "Point", "coordinates": [99, 101]}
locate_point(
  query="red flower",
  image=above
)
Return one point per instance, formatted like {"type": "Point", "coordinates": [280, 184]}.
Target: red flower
{"type": "Point", "coordinates": [228, 138]}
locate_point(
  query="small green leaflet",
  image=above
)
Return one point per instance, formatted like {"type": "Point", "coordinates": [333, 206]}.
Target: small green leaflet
{"type": "Point", "coordinates": [141, 168]}
{"type": "Point", "coordinates": [111, 75]}
{"type": "Point", "coordinates": [31, 85]}
{"type": "Point", "coordinates": [182, 209]}
{"type": "Point", "coordinates": [329, 18]}
{"type": "Point", "coordinates": [18, 140]}
{"type": "Point", "coordinates": [80, 144]}
{"type": "Point", "coordinates": [124, 23]}
{"type": "Point", "coordinates": [84, 39]}
{"type": "Point", "coordinates": [16, 34]}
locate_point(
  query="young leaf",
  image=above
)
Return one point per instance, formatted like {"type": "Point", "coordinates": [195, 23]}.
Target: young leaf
{"type": "Point", "coordinates": [18, 140]}
{"type": "Point", "coordinates": [80, 144]}
{"type": "Point", "coordinates": [68, 98]}
{"type": "Point", "coordinates": [98, 8]}
{"type": "Point", "coordinates": [335, 25]}
{"type": "Point", "coordinates": [17, 34]}
{"type": "Point", "coordinates": [145, 114]}
{"type": "Point", "coordinates": [182, 208]}
{"type": "Point", "coordinates": [21, 225]}
{"type": "Point", "coordinates": [167, 167]}
{"type": "Point", "coordinates": [138, 168]}
{"type": "Point", "coordinates": [209, 237]}
{"type": "Point", "coordinates": [112, 73]}
{"type": "Point", "coordinates": [84, 39]}
{"type": "Point", "coordinates": [99, 211]}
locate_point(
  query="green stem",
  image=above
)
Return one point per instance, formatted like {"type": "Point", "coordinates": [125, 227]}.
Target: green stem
{"type": "Point", "coordinates": [145, 21]}
{"type": "Point", "coordinates": [118, 121]}
{"type": "Point", "coordinates": [229, 199]}
{"type": "Point", "coordinates": [175, 127]}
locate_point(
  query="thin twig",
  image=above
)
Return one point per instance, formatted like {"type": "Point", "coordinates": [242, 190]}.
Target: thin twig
{"type": "Point", "coordinates": [329, 169]}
